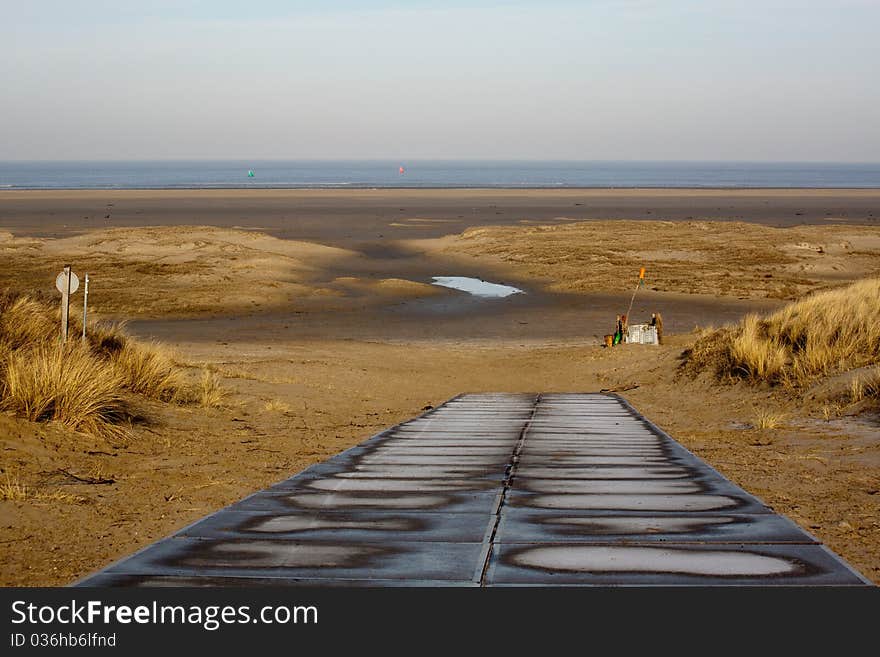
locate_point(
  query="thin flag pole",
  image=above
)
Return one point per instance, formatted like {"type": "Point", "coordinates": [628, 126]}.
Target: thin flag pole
{"type": "Point", "coordinates": [632, 300]}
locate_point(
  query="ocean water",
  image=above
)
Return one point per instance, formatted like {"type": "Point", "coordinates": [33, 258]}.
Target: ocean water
{"type": "Point", "coordinates": [230, 174]}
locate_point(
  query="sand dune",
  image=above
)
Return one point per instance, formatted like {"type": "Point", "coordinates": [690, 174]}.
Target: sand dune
{"type": "Point", "coordinates": [743, 260]}
{"type": "Point", "coordinates": [196, 270]}
{"type": "Point", "coordinates": [199, 270]}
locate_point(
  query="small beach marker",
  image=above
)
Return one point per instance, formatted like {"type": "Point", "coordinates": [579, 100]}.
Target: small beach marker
{"type": "Point", "coordinates": [67, 283]}
{"type": "Point", "coordinates": [85, 305]}
{"type": "Point", "coordinates": [639, 284]}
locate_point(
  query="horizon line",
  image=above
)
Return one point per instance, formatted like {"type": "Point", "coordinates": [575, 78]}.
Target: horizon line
{"type": "Point", "coordinates": [439, 159]}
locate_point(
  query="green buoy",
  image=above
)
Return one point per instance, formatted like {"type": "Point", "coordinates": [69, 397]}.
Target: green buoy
{"type": "Point", "coordinates": [250, 173]}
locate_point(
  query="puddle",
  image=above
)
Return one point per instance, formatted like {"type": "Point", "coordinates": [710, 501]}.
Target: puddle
{"type": "Point", "coordinates": [476, 287]}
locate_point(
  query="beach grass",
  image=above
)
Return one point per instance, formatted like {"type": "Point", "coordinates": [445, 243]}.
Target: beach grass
{"type": "Point", "coordinates": [821, 335]}
{"type": "Point", "coordinates": [276, 405]}
{"type": "Point", "coordinates": [765, 419]}
{"type": "Point", "coordinates": [12, 490]}
{"type": "Point", "coordinates": [209, 392]}
{"type": "Point", "coordinates": [84, 385]}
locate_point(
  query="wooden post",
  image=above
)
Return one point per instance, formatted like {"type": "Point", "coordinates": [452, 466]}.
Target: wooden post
{"type": "Point", "coordinates": [85, 306]}
{"type": "Point", "coordinates": [65, 303]}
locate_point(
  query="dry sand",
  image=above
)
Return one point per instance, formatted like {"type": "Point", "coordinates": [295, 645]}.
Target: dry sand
{"type": "Point", "coordinates": [325, 333]}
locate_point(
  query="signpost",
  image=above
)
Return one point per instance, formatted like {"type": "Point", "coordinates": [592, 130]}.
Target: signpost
{"type": "Point", "coordinates": [85, 305]}
{"type": "Point", "coordinates": [67, 283]}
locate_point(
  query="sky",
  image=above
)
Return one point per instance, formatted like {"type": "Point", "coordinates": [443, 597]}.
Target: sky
{"type": "Point", "coordinates": [768, 80]}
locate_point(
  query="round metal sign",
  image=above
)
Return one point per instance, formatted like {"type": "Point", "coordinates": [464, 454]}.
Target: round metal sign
{"type": "Point", "coordinates": [61, 282]}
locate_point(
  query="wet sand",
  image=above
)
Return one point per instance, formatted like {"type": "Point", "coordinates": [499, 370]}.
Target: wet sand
{"type": "Point", "coordinates": [348, 217]}
{"type": "Point", "coordinates": [455, 318]}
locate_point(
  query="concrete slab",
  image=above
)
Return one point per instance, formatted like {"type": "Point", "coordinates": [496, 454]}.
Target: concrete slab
{"type": "Point", "coordinates": [529, 526]}
{"type": "Point", "coordinates": [683, 503]}
{"type": "Point", "coordinates": [281, 501]}
{"type": "Point", "coordinates": [647, 486]}
{"type": "Point", "coordinates": [291, 559]}
{"type": "Point", "coordinates": [442, 434]}
{"type": "Point", "coordinates": [243, 581]}
{"type": "Point", "coordinates": [617, 486]}
{"type": "Point", "coordinates": [388, 484]}
{"type": "Point", "coordinates": [667, 565]}
{"type": "Point", "coordinates": [605, 472]}
{"type": "Point", "coordinates": [343, 526]}
{"type": "Point", "coordinates": [411, 470]}
{"type": "Point", "coordinates": [569, 451]}
{"type": "Point", "coordinates": [452, 442]}
{"type": "Point", "coordinates": [398, 449]}
{"type": "Point", "coordinates": [415, 459]}
{"type": "Point", "coordinates": [419, 471]}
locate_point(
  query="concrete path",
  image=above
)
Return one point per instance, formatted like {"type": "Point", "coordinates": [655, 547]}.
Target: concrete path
{"type": "Point", "coordinates": [497, 489]}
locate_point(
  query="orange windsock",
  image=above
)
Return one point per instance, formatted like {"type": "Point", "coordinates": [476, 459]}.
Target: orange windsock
{"type": "Point", "coordinates": [642, 274]}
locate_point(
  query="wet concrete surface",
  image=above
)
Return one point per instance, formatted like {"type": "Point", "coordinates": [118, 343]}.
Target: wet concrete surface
{"type": "Point", "coordinates": [497, 490]}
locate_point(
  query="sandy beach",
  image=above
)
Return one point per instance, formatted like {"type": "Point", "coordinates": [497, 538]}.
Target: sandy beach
{"type": "Point", "coordinates": [316, 310]}
{"type": "Point", "coordinates": [347, 217]}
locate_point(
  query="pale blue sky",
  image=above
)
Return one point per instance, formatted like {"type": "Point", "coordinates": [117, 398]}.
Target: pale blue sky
{"type": "Point", "coordinates": [596, 79]}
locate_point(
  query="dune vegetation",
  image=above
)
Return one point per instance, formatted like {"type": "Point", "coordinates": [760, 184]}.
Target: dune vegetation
{"type": "Point", "coordinates": [85, 385]}
{"type": "Point", "coordinates": [823, 335]}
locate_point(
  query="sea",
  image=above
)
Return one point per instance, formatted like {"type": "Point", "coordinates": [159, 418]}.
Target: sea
{"type": "Point", "coordinates": [438, 174]}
